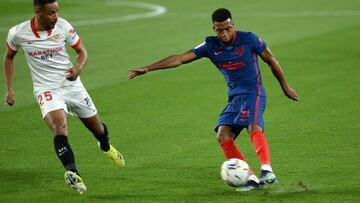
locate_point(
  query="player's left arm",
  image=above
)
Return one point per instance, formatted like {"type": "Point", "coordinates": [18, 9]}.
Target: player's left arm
{"type": "Point", "coordinates": [81, 59]}
{"type": "Point", "coordinates": [275, 67]}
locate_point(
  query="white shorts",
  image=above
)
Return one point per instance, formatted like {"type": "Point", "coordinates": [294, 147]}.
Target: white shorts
{"type": "Point", "coordinates": [72, 99]}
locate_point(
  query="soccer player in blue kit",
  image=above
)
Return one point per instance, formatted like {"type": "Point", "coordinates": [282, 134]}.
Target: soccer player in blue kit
{"type": "Point", "coordinates": [235, 55]}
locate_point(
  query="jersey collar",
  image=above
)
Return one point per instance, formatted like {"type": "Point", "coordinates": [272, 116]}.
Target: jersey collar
{"type": "Point", "coordinates": [33, 28]}
{"type": "Point", "coordinates": [234, 38]}
{"type": "Point", "coordinates": [231, 45]}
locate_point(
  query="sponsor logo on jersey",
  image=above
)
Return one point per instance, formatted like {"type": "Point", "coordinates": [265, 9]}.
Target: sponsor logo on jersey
{"type": "Point", "coordinates": [45, 54]}
{"type": "Point", "coordinates": [232, 65]}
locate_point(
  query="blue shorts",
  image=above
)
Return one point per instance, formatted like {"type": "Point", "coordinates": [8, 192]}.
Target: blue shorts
{"type": "Point", "coordinates": [242, 111]}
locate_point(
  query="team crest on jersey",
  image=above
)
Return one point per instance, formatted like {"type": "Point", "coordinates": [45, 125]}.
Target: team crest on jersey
{"type": "Point", "coordinates": [57, 38]}
{"type": "Point", "coordinates": [239, 51]}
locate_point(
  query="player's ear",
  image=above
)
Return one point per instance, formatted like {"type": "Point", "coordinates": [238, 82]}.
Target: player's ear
{"type": "Point", "coordinates": [37, 9]}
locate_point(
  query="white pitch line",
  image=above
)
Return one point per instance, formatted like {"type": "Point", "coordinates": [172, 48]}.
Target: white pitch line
{"type": "Point", "coordinates": [155, 11]}
{"type": "Point", "coordinates": [290, 14]}
{"type": "Point", "coordinates": [344, 13]}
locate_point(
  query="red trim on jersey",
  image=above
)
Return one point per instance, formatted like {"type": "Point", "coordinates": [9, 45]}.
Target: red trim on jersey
{"type": "Point", "coordinates": [8, 46]}
{"type": "Point", "coordinates": [49, 32]}
{"type": "Point", "coordinates": [76, 44]}
{"type": "Point", "coordinates": [33, 27]}
{"type": "Point", "coordinates": [256, 65]}
{"type": "Point", "coordinates": [234, 38]}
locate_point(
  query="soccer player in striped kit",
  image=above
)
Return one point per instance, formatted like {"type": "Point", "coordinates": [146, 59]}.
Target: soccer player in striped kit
{"type": "Point", "coordinates": [235, 54]}
{"type": "Point", "coordinates": [57, 85]}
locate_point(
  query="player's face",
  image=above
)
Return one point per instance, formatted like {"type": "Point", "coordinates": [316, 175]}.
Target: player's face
{"type": "Point", "coordinates": [224, 30]}
{"type": "Point", "coordinates": [48, 15]}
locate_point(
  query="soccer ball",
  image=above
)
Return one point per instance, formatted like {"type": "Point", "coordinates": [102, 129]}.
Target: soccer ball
{"type": "Point", "coordinates": [235, 172]}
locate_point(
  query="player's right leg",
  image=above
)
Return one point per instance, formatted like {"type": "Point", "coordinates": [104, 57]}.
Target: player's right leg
{"type": "Point", "coordinates": [54, 112]}
{"type": "Point", "coordinates": [225, 138]}
{"type": "Point", "coordinates": [75, 181]}
{"type": "Point", "coordinates": [255, 106]}
{"type": "Point", "coordinates": [56, 120]}
{"type": "Point", "coordinates": [227, 131]}
{"type": "Point", "coordinates": [262, 149]}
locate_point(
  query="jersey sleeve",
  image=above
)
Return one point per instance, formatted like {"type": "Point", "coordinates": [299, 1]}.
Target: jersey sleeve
{"type": "Point", "coordinates": [201, 50]}
{"type": "Point", "coordinates": [258, 44]}
{"type": "Point", "coordinates": [72, 38]}
{"type": "Point", "coordinates": [11, 40]}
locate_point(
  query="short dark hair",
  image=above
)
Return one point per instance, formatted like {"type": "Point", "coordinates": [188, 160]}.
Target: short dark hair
{"type": "Point", "coordinates": [42, 3]}
{"type": "Point", "coordinates": [220, 15]}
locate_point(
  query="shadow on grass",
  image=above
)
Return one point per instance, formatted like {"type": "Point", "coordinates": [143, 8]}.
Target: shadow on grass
{"type": "Point", "coordinates": [23, 179]}
{"type": "Point", "coordinates": [211, 194]}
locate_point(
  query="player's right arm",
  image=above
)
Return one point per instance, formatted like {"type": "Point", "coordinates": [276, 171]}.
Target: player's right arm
{"type": "Point", "coordinates": [9, 66]}
{"type": "Point", "coordinates": [165, 63]}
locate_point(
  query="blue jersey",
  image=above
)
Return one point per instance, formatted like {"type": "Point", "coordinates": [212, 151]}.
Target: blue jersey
{"type": "Point", "coordinates": [237, 62]}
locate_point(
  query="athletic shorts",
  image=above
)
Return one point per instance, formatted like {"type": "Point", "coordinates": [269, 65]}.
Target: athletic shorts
{"type": "Point", "coordinates": [242, 111]}
{"type": "Point", "coordinates": [73, 99]}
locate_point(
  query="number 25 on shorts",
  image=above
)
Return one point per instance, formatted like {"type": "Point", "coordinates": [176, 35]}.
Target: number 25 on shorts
{"type": "Point", "coordinates": [46, 95]}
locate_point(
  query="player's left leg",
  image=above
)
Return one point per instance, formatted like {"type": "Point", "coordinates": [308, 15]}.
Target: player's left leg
{"type": "Point", "coordinates": [262, 150]}
{"type": "Point", "coordinates": [100, 132]}
{"type": "Point", "coordinates": [56, 120]}
{"type": "Point", "coordinates": [80, 104]}
{"type": "Point", "coordinates": [252, 114]}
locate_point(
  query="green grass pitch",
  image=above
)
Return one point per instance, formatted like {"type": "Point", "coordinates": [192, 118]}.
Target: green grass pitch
{"type": "Point", "coordinates": [163, 122]}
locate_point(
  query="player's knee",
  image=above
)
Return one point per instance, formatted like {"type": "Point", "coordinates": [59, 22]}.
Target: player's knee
{"type": "Point", "coordinates": [224, 134]}
{"type": "Point", "coordinates": [59, 128]}
{"type": "Point", "coordinates": [254, 128]}
{"type": "Point", "coordinates": [222, 137]}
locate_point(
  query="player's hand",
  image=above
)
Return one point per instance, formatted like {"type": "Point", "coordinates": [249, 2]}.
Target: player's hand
{"type": "Point", "coordinates": [9, 98]}
{"type": "Point", "coordinates": [137, 71]}
{"type": "Point", "coordinates": [72, 73]}
{"type": "Point", "coordinates": [291, 93]}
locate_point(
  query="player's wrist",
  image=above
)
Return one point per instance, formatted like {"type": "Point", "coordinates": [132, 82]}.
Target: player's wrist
{"type": "Point", "coordinates": [147, 69]}
{"type": "Point", "coordinates": [78, 69]}
{"type": "Point", "coordinates": [9, 90]}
